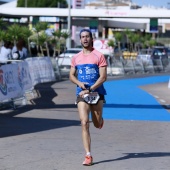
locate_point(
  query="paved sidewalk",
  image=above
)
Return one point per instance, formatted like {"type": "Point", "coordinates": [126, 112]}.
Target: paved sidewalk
{"type": "Point", "coordinates": [46, 135]}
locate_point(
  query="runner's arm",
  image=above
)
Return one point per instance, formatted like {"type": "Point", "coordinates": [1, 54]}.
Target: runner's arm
{"type": "Point", "coordinates": [74, 79]}
{"type": "Point", "coordinates": [101, 79]}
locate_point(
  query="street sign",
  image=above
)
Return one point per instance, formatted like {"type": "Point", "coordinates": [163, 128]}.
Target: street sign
{"type": "Point", "coordinates": [154, 25]}
{"type": "Point", "coordinates": [93, 23]}
{"type": "Point", "coordinates": [35, 20]}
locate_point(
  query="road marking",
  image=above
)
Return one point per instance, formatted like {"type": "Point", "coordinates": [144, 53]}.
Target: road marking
{"type": "Point", "coordinates": [163, 101]}
{"type": "Point", "coordinates": [156, 96]}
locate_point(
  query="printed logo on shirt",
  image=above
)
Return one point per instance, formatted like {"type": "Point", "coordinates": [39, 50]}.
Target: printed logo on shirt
{"type": "Point", "coordinates": [89, 70]}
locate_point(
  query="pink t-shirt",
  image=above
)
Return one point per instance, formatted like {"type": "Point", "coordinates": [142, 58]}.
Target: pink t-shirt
{"type": "Point", "coordinates": [87, 67]}
{"type": "Point", "coordinates": [95, 57]}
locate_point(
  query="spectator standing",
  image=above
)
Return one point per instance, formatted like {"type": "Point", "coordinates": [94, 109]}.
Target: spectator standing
{"type": "Point", "coordinates": [20, 50]}
{"type": "Point", "coordinates": [5, 51]}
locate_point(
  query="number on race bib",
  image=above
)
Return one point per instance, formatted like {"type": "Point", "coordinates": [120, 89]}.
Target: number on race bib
{"type": "Point", "coordinates": [91, 98]}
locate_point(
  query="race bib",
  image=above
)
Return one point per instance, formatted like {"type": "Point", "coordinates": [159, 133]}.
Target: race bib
{"type": "Point", "coordinates": [92, 97]}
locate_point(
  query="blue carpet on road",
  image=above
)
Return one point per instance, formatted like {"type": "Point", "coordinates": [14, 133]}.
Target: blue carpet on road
{"type": "Point", "coordinates": [126, 101]}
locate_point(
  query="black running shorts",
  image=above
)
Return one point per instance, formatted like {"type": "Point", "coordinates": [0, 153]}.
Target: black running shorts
{"type": "Point", "coordinates": [81, 99]}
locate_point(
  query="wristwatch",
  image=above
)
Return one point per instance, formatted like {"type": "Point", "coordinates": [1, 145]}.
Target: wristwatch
{"type": "Point", "coordinates": [89, 89]}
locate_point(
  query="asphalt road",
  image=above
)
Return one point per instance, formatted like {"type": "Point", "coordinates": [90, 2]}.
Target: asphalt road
{"type": "Point", "coordinates": [46, 133]}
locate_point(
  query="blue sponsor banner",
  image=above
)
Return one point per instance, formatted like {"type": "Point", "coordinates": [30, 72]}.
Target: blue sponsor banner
{"type": "Point", "coordinates": [154, 25]}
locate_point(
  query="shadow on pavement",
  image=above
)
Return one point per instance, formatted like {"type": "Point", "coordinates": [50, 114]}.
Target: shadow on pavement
{"type": "Point", "coordinates": [11, 125]}
{"type": "Point", "coordinates": [137, 155]}
{"type": "Point", "coordinates": [46, 94]}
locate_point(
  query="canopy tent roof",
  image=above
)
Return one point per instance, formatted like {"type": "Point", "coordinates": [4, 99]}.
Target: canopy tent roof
{"type": "Point", "coordinates": [11, 9]}
{"type": "Point", "coordinates": [129, 18]}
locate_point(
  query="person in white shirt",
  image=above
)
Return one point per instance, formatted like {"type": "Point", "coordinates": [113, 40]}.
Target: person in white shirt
{"type": "Point", "coordinates": [5, 52]}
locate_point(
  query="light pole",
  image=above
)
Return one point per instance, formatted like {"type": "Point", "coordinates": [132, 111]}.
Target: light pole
{"type": "Point", "coordinates": [168, 5]}
{"type": "Point", "coordinates": [69, 24]}
{"type": "Point", "coordinates": [25, 3]}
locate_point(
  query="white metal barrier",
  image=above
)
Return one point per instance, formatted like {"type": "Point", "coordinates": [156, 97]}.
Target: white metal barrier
{"type": "Point", "coordinates": [136, 66]}
{"type": "Point", "coordinates": [19, 78]}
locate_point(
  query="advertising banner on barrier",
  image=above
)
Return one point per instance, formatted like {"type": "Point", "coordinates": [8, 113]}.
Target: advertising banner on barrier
{"type": "Point", "coordinates": [34, 69]}
{"type": "Point", "coordinates": [46, 69]}
{"type": "Point", "coordinates": [24, 76]}
{"type": "Point", "coordinates": [9, 82]}
{"type": "Point", "coordinates": [15, 79]}
{"type": "Point", "coordinates": [41, 69]}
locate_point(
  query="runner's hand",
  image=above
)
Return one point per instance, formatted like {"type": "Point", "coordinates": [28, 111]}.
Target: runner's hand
{"type": "Point", "coordinates": [82, 85]}
{"type": "Point", "coordinates": [83, 92]}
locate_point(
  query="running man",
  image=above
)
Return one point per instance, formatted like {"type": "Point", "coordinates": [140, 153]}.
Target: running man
{"type": "Point", "coordinates": [89, 72]}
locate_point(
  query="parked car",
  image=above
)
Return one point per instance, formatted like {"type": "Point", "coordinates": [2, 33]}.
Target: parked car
{"type": "Point", "coordinates": [159, 56]}
{"type": "Point", "coordinates": [144, 55]}
{"type": "Point", "coordinates": [159, 52]}
{"type": "Point", "coordinates": [70, 52]}
{"type": "Point", "coordinates": [64, 60]}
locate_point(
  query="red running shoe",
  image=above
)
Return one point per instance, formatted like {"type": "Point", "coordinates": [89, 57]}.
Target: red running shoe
{"type": "Point", "coordinates": [88, 161]}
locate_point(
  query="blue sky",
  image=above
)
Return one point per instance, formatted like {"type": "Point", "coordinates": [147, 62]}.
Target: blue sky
{"type": "Point", "coordinates": [157, 3]}
{"type": "Point", "coordinates": [6, 0]}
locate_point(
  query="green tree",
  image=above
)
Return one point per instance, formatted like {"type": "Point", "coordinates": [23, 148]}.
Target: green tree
{"type": "Point", "coordinates": [15, 31]}
{"type": "Point", "coordinates": [40, 37]}
{"type": "Point", "coordinates": [118, 36]}
{"type": "Point", "coordinates": [65, 35]}
{"type": "Point", "coordinates": [2, 23]}
{"type": "Point", "coordinates": [2, 32]}
{"type": "Point", "coordinates": [152, 42]}
{"type": "Point", "coordinates": [135, 39]}
{"type": "Point", "coordinates": [42, 3]}
{"type": "Point", "coordinates": [25, 33]}
{"type": "Point", "coordinates": [111, 43]}
{"type": "Point", "coordinates": [58, 40]}
{"type": "Point", "coordinates": [145, 40]}
{"type": "Point", "coordinates": [4, 37]}
{"type": "Point", "coordinates": [127, 33]}
{"type": "Point", "coordinates": [43, 42]}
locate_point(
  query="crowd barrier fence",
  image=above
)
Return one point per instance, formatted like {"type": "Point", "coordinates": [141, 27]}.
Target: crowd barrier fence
{"type": "Point", "coordinates": [18, 78]}
{"type": "Point", "coordinates": [136, 66]}
{"type": "Point", "coordinates": [118, 66]}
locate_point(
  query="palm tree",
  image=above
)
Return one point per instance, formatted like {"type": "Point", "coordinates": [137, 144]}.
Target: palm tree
{"type": "Point", "coordinates": [2, 23]}
{"type": "Point", "coordinates": [135, 39]}
{"type": "Point", "coordinates": [43, 42]}
{"type": "Point", "coordinates": [56, 41]}
{"type": "Point", "coordinates": [128, 33]}
{"type": "Point", "coordinates": [145, 39]}
{"type": "Point", "coordinates": [118, 36]}
{"type": "Point", "coordinates": [37, 28]}
{"type": "Point", "coordinates": [152, 42]}
{"type": "Point", "coordinates": [65, 35]}
{"type": "Point", "coordinates": [111, 43]}
{"type": "Point", "coordinates": [26, 33]}
{"type": "Point", "coordinates": [15, 32]}
{"type": "Point", "coordinates": [2, 37]}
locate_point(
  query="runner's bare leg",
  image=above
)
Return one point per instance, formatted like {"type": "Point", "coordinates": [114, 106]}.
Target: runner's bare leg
{"type": "Point", "coordinates": [96, 111]}
{"type": "Point", "coordinates": [84, 110]}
